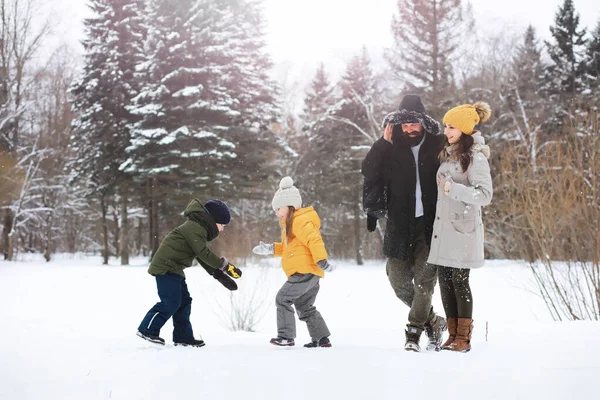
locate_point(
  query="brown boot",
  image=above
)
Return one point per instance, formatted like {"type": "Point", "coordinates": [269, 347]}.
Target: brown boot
{"type": "Point", "coordinates": [462, 341]}
{"type": "Point", "coordinates": [452, 325]}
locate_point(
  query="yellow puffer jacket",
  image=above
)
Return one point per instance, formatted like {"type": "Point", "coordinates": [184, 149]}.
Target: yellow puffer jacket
{"type": "Point", "coordinates": [301, 254]}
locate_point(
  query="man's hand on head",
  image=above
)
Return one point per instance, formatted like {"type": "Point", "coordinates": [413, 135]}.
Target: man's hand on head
{"type": "Point", "coordinates": [387, 134]}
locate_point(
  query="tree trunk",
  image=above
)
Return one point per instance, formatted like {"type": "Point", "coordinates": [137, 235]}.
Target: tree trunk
{"type": "Point", "coordinates": [124, 230]}
{"type": "Point", "coordinates": [155, 236]}
{"type": "Point", "coordinates": [6, 233]}
{"type": "Point", "coordinates": [48, 239]}
{"type": "Point", "coordinates": [140, 247]}
{"type": "Point", "coordinates": [117, 235]}
{"type": "Point", "coordinates": [152, 219]}
{"type": "Point", "coordinates": [150, 215]}
{"type": "Point", "coordinates": [357, 236]}
{"type": "Point", "coordinates": [105, 251]}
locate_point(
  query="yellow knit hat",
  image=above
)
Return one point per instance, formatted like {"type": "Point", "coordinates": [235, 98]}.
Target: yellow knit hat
{"type": "Point", "coordinates": [465, 117]}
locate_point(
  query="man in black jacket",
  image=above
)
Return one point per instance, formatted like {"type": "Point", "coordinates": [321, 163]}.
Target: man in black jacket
{"type": "Point", "coordinates": [400, 181]}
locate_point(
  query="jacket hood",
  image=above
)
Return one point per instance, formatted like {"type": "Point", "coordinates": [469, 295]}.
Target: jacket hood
{"type": "Point", "coordinates": [194, 206]}
{"type": "Point", "coordinates": [479, 145]}
{"type": "Point", "coordinates": [306, 214]}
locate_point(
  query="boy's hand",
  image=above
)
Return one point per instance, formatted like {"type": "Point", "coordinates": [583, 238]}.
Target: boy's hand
{"type": "Point", "coordinates": [230, 269]}
{"type": "Point", "coordinates": [224, 280]}
{"type": "Point", "coordinates": [264, 249]}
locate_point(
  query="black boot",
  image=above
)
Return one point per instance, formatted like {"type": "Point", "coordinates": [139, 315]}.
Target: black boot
{"type": "Point", "coordinates": [323, 342]}
{"type": "Point", "coordinates": [192, 343]}
{"type": "Point", "coordinates": [151, 338]}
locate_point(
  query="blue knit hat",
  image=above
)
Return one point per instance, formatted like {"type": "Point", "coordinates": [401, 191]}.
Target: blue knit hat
{"type": "Point", "coordinates": [219, 211]}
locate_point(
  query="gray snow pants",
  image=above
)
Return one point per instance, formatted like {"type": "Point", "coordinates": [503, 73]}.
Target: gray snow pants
{"type": "Point", "coordinates": [413, 280]}
{"type": "Point", "coordinates": [301, 291]}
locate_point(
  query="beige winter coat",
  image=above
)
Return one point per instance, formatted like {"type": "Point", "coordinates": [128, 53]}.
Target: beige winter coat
{"type": "Point", "coordinates": [458, 228]}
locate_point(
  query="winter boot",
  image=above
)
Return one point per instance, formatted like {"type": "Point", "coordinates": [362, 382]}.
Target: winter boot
{"type": "Point", "coordinates": [452, 325]}
{"type": "Point", "coordinates": [413, 335]}
{"type": "Point", "coordinates": [323, 342]}
{"type": "Point", "coordinates": [435, 329]}
{"type": "Point", "coordinates": [151, 338]}
{"type": "Point", "coordinates": [462, 341]}
{"type": "Point", "coordinates": [192, 343]}
{"type": "Point", "coordinates": [281, 341]}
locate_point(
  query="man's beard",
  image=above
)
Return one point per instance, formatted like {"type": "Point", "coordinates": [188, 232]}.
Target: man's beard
{"type": "Point", "coordinates": [414, 140]}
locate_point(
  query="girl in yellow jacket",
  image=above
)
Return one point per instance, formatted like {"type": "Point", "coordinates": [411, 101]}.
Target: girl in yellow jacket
{"type": "Point", "coordinates": [304, 259]}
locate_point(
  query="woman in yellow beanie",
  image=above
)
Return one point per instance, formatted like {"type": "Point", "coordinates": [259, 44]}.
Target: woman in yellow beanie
{"type": "Point", "coordinates": [464, 186]}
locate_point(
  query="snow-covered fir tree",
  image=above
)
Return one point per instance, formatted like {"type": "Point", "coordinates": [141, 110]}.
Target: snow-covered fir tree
{"type": "Point", "coordinates": [592, 63]}
{"type": "Point", "coordinates": [207, 96]}
{"type": "Point", "coordinates": [338, 143]}
{"type": "Point", "coordinates": [564, 74]}
{"type": "Point", "coordinates": [114, 36]}
{"type": "Point", "coordinates": [319, 102]}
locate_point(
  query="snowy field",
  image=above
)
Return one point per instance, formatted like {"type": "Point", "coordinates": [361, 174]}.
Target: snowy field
{"type": "Point", "coordinates": [67, 331]}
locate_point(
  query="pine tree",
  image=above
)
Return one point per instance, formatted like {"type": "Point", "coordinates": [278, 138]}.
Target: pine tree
{"type": "Point", "coordinates": [338, 143]}
{"type": "Point", "coordinates": [207, 90]}
{"type": "Point", "coordinates": [592, 62]}
{"type": "Point", "coordinates": [246, 78]}
{"type": "Point", "coordinates": [113, 41]}
{"type": "Point", "coordinates": [566, 50]}
{"type": "Point", "coordinates": [319, 100]}
{"type": "Point", "coordinates": [426, 36]}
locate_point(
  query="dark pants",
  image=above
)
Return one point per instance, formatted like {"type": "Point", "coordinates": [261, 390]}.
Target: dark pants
{"type": "Point", "coordinates": [413, 280]}
{"type": "Point", "coordinates": [456, 292]}
{"type": "Point", "coordinates": [175, 301]}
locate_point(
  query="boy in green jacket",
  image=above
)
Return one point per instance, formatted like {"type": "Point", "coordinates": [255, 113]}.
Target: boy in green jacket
{"type": "Point", "coordinates": [177, 252]}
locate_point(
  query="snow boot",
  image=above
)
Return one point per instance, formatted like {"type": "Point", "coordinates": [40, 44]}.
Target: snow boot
{"type": "Point", "coordinates": [413, 335]}
{"type": "Point", "coordinates": [151, 338]}
{"type": "Point", "coordinates": [435, 330]}
{"type": "Point", "coordinates": [323, 342]}
{"type": "Point", "coordinates": [452, 325]}
{"type": "Point", "coordinates": [192, 343]}
{"type": "Point", "coordinates": [281, 341]}
{"type": "Point", "coordinates": [462, 341]}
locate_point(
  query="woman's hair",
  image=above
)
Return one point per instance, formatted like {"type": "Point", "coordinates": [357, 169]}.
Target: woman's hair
{"type": "Point", "coordinates": [288, 223]}
{"type": "Point", "coordinates": [462, 151]}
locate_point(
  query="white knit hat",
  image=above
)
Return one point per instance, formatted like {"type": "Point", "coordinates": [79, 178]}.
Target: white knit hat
{"type": "Point", "coordinates": [287, 195]}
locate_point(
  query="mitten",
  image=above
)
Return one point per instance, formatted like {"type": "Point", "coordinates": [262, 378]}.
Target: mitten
{"type": "Point", "coordinates": [224, 280]}
{"type": "Point", "coordinates": [371, 223]}
{"type": "Point", "coordinates": [326, 266]}
{"type": "Point", "coordinates": [264, 249]}
{"type": "Point", "coordinates": [230, 269]}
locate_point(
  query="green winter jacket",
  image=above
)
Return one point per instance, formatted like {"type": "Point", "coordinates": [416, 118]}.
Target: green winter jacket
{"type": "Point", "coordinates": [186, 242]}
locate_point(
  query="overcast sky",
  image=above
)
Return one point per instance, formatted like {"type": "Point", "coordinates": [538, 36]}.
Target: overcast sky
{"type": "Point", "coordinates": [302, 33]}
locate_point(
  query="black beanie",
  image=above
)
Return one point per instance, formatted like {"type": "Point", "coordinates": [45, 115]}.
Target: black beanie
{"type": "Point", "coordinates": [219, 211]}
{"type": "Point", "coordinates": [412, 102]}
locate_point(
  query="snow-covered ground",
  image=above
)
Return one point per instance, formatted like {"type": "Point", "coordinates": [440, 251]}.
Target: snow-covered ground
{"type": "Point", "coordinates": [67, 331]}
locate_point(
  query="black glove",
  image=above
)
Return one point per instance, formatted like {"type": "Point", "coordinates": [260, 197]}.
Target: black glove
{"type": "Point", "coordinates": [218, 275]}
{"type": "Point", "coordinates": [371, 223]}
{"type": "Point", "coordinates": [224, 280]}
{"type": "Point", "coordinates": [230, 269]}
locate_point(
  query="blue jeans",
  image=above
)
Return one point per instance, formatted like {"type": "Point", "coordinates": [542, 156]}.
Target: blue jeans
{"type": "Point", "coordinates": [175, 301]}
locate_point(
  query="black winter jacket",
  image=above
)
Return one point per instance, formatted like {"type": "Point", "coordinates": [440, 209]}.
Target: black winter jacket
{"type": "Point", "coordinates": [390, 184]}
